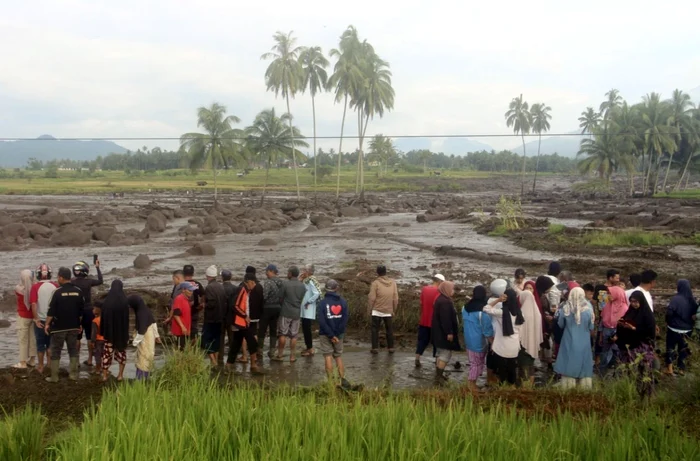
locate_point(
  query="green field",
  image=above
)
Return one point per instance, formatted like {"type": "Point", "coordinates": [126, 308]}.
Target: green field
{"type": "Point", "coordinates": [35, 182]}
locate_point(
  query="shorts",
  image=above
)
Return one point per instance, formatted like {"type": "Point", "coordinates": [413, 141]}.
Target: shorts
{"type": "Point", "coordinates": [43, 341]}
{"type": "Point", "coordinates": [211, 337]}
{"type": "Point", "coordinates": [86, 323]}
{"type": "Point", "coordinates": [288, 327]}
{"type": "Point", "coordinates": [327, 348]}
{"type": "Point", "coordinates": [444, 355]}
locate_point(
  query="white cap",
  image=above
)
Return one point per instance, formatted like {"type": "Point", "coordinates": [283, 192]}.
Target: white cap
{"type": "Point", "coordinates": [498, 287]}
{"type": "Point", "coordinates": [439, 277]}
{"type": "Point", "coordinates": [211, 271]}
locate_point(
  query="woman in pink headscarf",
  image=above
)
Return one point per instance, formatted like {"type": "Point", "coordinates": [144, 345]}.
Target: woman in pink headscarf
{"type": "Point", "coordinates": [611, 314]}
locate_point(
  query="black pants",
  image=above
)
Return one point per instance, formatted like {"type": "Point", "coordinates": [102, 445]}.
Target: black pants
{"type": "Point", "coordinates": [424, 339]}
{"type": "Point", "coordinates": [308, 334]}
{"type": "Point", "coordinates": [676, 341]}
{"type": "Point", "coordinates": [376, 323]}
{"type": "Point", "coordinates": [268, 320]}
{"type": "Point", "coordinates": [507, 369]}
{"type": "Point", "coordinates": [238, 336]}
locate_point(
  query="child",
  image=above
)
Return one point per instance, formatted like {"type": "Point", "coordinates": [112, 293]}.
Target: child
{"type": "Point", "coordinates": [332, 315]}
{"type": "Point", "coordinates": [181, 314]}
{"type": "Point", "coordinates": [97, 340]}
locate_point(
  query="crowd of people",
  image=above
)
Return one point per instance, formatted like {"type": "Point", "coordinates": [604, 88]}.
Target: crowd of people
{"type": "Point", "coordinates": [574, 329]}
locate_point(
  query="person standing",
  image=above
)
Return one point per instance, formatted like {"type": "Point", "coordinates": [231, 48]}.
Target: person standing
{"type": "Point", "coordinates": [383, 300]}
{"type": "Point", "coordinates": [519, 280]}
{"type": "Point", "coordinates": [178, 277]}
{"type": "Point", "coordinates": [332, 314]}
{"type": "Point", "coordinates": [25, 320]}
{"type": "Point", "coordinates": [146, 336]}
{"type": "Point", "coordinates": [308, 307]}
{"type": "Point", "coordinates": [635, 280]}
{"type": "Point", "coordinates": [531, 336]}
{"type": "Point", "coordinates": [114, 327]}
{"type": "Point", "coordinates": [635, 338]}
{"type": "Point", "coordinates": [478, 334]}
{"type": "Point", "coordinates": [680, 318]}
{"type": "Point", "coordinates": [39, 299]}
{"type": "Point", "coordinates": [197, 301]}
{"type": "Point", "coordinates": [648, 283]}
{"type": "Point", "coordinates": [554, 294]}
{"type": "Point", "coordinates": [256, 304]}
{"type": "Point", "coordinates": [63, 322]}
{"type": "Point", "coordinates": [445, 329]}
{"type": "Point", "coordinates": [575, 359]}
{"type": "Point", "coordinates": [227, 330]}
{"type": "Point", "coordinates": [82, 280]}
{"type": "Point", "coordinates": [610, 315]}
{"type": "Point", "coordinates": [612, 278]}
{"type": "Point", "coordinates": [273, 294]}
{"type": "Point", "coordinates": [214, 311]}
{"type": "Point", "coordinates": [507, 321]}
{"type": "Point", "coordinates": [294, 292]}
{"type": "Point", "coordinates": [428, 295]}
{"type": "Point", "coordinates": [241, 324]}
{"type": "Point", "coordinates": [181, 314]}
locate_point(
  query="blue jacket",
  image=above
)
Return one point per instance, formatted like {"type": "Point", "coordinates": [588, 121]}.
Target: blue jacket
{"type": "Point", "coordinates": [332, 314]}
{"type": "Point", "coordinates": [477, 327]}
{"type": "Point", "coordinates": [682, 307]}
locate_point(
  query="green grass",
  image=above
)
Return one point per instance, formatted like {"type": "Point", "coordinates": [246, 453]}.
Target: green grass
{"type": "Point", "coordinates": [555, 229]}
{"type": "Point", "coordinates": [681, 194]}
{"type": "Point", "coordinates": [499, 231]}
{"type": "Point", "coordinates": [628, 238]}
{"type": "Point", "coordinates": [21, 435]}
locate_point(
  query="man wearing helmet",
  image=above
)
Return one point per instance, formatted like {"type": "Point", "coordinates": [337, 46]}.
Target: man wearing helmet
{"type": "Point", "coordinates": [39, 298]}
{"type": "Point", "coordinates": [85, 283]}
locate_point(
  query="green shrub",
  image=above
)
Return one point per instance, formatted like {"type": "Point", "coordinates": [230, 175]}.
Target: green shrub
{"type": "Point", "coordinates": [22, 434]}
{"type": "Point", "coordinates": [556, 229]}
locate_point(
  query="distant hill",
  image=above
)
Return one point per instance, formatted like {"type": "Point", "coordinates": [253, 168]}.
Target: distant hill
{"type": "Point", "coordinates": [566, 146]}
{"type": "Point", "coordinates": [449, 146]}
{"type": "Point", "coordinates": [14, 154]}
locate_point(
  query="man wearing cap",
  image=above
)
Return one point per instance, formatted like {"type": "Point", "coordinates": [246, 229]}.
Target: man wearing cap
{"type": "Point", "coordinates": [289, 321]}
{"type": "Point", "coordinates": [214, 309]}
{"type": "Point", "coordinates": [241, 323]}
{"type": "Point", "coordinates": [181, 313]}
{"type": "Point", "coordinates": [332, 314]}
{"type": "Point", "coordinates": [428, 295]}
{"type": "Point", "coordinates": [273, 294]}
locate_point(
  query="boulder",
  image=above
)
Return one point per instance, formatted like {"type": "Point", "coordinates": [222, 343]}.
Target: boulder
{"type": "Point", "coordinates": [71, 236]}
{"type": "Point", "coordinates": [211, 225]}
{"type": "Point", "coordinates": [5, 219]}
{"type": "Point", "coordinates": [103, 233]}
{"type": "Point", "coordinates": [350, 212]}
{"type": "Point", "coordinates": [155, 222]}
{"type": "Point", "coordinates": [196, 221]}
{"type": "Point", "coordinates": [104, 217]}
{"type": "Point", "coordinates": [37, 230]}
{"type": "Point", "coordinates": [311, 228]}
{"type": "Point", "coordinates": [190, 230]}
{"type": "Point", "coordinates": [57, 219]}
{"type": "Point", "coordinates": [237, 228]}
{"type": "Point", "coordinates": [118, 240]}
{"type": "Point", "coordinates": [267, 242]}
{"type": "Point", "coordinates": [288, 207]}
{"type": "Point", "coordinates": [321, 221]}
{"type": "Point", "coordinates": [180, 213]}
{"type": "Point", "coordinates": [297, 215]}
{"type": "Point", "coordinates": [15, 230]}
{"type": "Point", "coordinates": [202, 249]}
{"type": "Point", "coordinates": [142, 262]}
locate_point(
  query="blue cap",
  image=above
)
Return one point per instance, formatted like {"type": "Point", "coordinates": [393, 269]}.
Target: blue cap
{"type": "Point", "coordinates": [189, 286]}
{"type": "Point", "coordinates": [272, 268]}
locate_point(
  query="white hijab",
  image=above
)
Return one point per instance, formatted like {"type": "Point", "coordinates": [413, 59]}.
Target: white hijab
{"type": "Point", "coordinates": [531, 331]}
{"type": "Point", "coordinates": [576, 304]}
{"type": "Point", "coordinates": [24, 287]}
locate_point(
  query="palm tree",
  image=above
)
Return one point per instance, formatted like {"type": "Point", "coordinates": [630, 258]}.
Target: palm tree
{"type": "Point", "coordinates": [658, 136]}
{"type": "Point", "coordinates": [313, 65]}
{"type": "Point", "coordinates": [610, 105]}
{"type": "Point", "coordinates": [602, 154]}
{"type": "Point", "coordinates": [588, 121]}
{"type": "Point", "coordinates": [284, 75]}
{"type": "Point", "coordinates": [680, 119]}
{"type": "Point", "coordinates": [217, 142]}
{"type": "Point", "coordinates": [382, 148]}
{"type": "Point", "coordinates": [626, 128]}
{"type": "Point", "coordinates": [272, 139]}
{"type": "Point", "coordinates": [518, 116]}
{"type": "Point", "coordinates": [345, 80]}
{"type": "Point", "coordinates": [540, 123]}
{"type": "Point", "coordinates": [691, 144]}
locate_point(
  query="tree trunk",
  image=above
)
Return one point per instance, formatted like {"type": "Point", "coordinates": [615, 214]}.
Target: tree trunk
{"type": "Point", "coordinates": [359, 153]}
{"type": "Point", "coordinates": [685, 170]}
{"type": "Point", "coordinates": [648, 178]}
{"type": "Point", "coordinates": [657, 168]}
{"type": "Point", "coordinates": [294, 153]}
{"type": "Point", "coordinates": [522, 175]}
{"type": "Point", "coordinates": [267, 176]}
{"type": "Point", "coordinates": [537, 163]}
{"type": "Point", "coordinates": [425, 166]}
{"type": "Point", "coordinates": [362, 170]}
{"type": "Point", "coordinates": [213, 165]}
{"type": "Point", "coordinates": [340, 150]}
{"type": "Point", "coordinates": [668, 169]}
{"type": "Point", "coordinates": [313, 111]}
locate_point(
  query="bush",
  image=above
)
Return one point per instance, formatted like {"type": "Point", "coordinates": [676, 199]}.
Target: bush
{"type": "Point", "coordinates": [628, 238]}
{"type": "Point", "coordinates": [556, 229]}
{"type": "Point", "coordinates": [51, 173]}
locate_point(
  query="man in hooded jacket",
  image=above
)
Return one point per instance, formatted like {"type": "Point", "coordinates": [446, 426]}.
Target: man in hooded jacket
{"type": "Point", "coordinates": [383, 301]}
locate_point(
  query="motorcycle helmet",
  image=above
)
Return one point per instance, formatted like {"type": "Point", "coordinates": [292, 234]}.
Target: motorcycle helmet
{"type": "Point", "coordinates": [81, 269]}
{"type": "Point", "coordinates": [43, 272]}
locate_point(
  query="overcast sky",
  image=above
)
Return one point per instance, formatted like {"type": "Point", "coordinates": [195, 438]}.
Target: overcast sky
{"type": "Point", "coordinates": [92, 68]}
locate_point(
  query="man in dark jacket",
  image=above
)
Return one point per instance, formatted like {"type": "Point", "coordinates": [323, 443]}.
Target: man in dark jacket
{"type": "Point", "coordinates": [85, 283]}
{"type": "Point", "coordinates": [273, 293]}
{"type": "Point", "coordinates": [63, 322]}
{"type": "Point", "coordinates": [227, 327]}
{"type": "Point", "coordinates": [294, 292]}
{"type": "Point", "coordinates": [680, 319]}
{"type": "Point", "coordinates": [256, 301]}
{"type": "Point", "coordinates": [197, 301]}
{"type": "Point", "coordinates": [214, 311]}
{"type": "Point", "coordinates": [445, 328]}
{"type": "Point", "coordinates": [332, 314]}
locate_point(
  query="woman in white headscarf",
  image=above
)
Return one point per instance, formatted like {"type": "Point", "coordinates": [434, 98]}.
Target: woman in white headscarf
{"type": "Point", "coordinates": [575, 360]}
{"type": "Point", "coordinates": [531, 335]}
{"type": "Point", "coordinates": [25, 320]}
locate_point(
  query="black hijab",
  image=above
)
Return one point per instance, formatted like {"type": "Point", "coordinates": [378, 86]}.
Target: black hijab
{"type": "Point", "coordinates": [115, 317]}
{"type": "Point", "coordinates": [144, 316]}
{"type": "Point", "coordinates": [511, 306]}
{"type": "Point", "coordinates": [542, 284]}
{"type": "Point", "coordinates": [642, 319]}
{"type": "Point", "coordinates": [478, 301]}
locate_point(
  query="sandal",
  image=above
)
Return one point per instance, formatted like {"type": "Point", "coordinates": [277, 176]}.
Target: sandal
{"type": "Point", "coordinates": [292, 359]}
{"type": "Point", "coordinates": [308, 353]}
{"type": "Point", "coordinates": [19, 366]}
{"type": "Point", "coordinates": [277, 358]}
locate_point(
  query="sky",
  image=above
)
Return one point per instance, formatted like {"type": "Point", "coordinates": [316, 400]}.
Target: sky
{"type": "Point", "coordinates": [93, 68]}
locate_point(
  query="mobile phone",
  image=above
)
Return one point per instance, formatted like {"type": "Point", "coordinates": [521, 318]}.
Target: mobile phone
{"type": "Point", "coordinates": [94, 259]}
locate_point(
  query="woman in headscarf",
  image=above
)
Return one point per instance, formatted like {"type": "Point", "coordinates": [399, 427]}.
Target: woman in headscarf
{"type": "Point", "coordinates": [445, 328]}
{"type": "Point", "coordinates": [115, 329]}
{"type": "Point", "coordinates": [679, 320]}
{"type": "Point", "coordinates": [146, 336]}
{"type": "Point", "coordinates": [635, 338]}
{"type": "Point", "coordinates": [478, 333]}
{"type": "Point", "coordinates": [543, 285]}
{"type": "Point", "coordinates": [25, 320]}
{"type": "Point", "coordinates": [507, 320]}
{"type": "Point", "coordinates": [575, 360]}
{"type": "Point", "coordinates": [531, 335]}
{"type": "Point", "coordinates": [614, 306]}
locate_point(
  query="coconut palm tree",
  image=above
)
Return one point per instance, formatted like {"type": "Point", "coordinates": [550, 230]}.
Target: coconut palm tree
{"type": "Point", "coordinates": [313, 65]}
{"type": "Point", "coordinates": [625, 126]}
{"type": "Point", "coordinates": [681, 108]}
{"type": "Point", "coordinates": [540, 123]}
{"type": "Point", "coordinates": [691, 145]}
{"type": "Point", "coordinates": [518, 117]}
{"type": "Point", "coordinates": [610, 105]}
{"type": "Point", "coordinates": [219, 140]}
{"type": "Point", "coordinates": [382, 148]}
{"type": "Point", "coordinates": [284, 76]}
{"type": "Point", "coordinates": [271, 139]}
{"type": "Point", "coordinates": [589, 120]}
{"type": "Point", "coordinates": [659, 137]}
{"type": "Point", "coordinates": [602, 154]}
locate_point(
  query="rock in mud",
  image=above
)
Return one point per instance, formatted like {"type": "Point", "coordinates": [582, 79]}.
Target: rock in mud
{"type": "Point", "coordinates": [117, 240]}
{"type": "Point", "coordinates": [142, 262]}
{"type": "Point", "coordinates": [237, 228]}
{"type": "Point", "coordinates": [211, 225]}
{"type": "Point", "coordinates": [155, 222]}
{"type": "Point", "coordinates": [71, 236]}
{"type": "Point", "coordinates": [297, 215]}
{"type": "Point", "coordinates": [202, 249]}
{"type": "Point", "coordinates": [5, 219]}
{"type": "Point", "coordinates": [267, 243]}
{"type": "Point", "coordinates": [196, 221]}
{"type": "Point", "coordinates": [311, 228]}
{"type": "Point", "coordinates": [350, 212]}
{"type": "Point", "coordinates": [37, 230]}
{"type": "Point", "coordinates": [103, 233]}
{"type": "Point", "coordinates": [15, 230]}
{"type": "Point", "coordinates": [322, 222]}
{"type": "Point", "coordinates": [104, 217]}
{"type": "Point", "coordinates": [288, 207]}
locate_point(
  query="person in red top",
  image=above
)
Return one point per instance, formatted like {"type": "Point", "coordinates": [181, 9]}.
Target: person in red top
{"type": "Point", "coordinates": [181, 314]}
{"type": "Point", "coordinates": [27, 340]}
{"type": "Point", "coordinates": [428, 295]}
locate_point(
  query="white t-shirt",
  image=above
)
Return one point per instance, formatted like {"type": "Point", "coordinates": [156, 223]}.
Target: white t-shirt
{"type": "Point", "coordinates": [41, 294]}
{"type": "Point", "coordinates": [646, 294]}
{"type": "Point", "coordinates": [505, 346]}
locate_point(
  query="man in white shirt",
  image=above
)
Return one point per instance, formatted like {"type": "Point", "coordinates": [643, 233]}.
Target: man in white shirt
{"type": "Point", "coordinates": [648, 282]}
{"type": "Point", "coordinates": [635, 281]}
{"type": "Point", "coordinates": [39, 299]}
